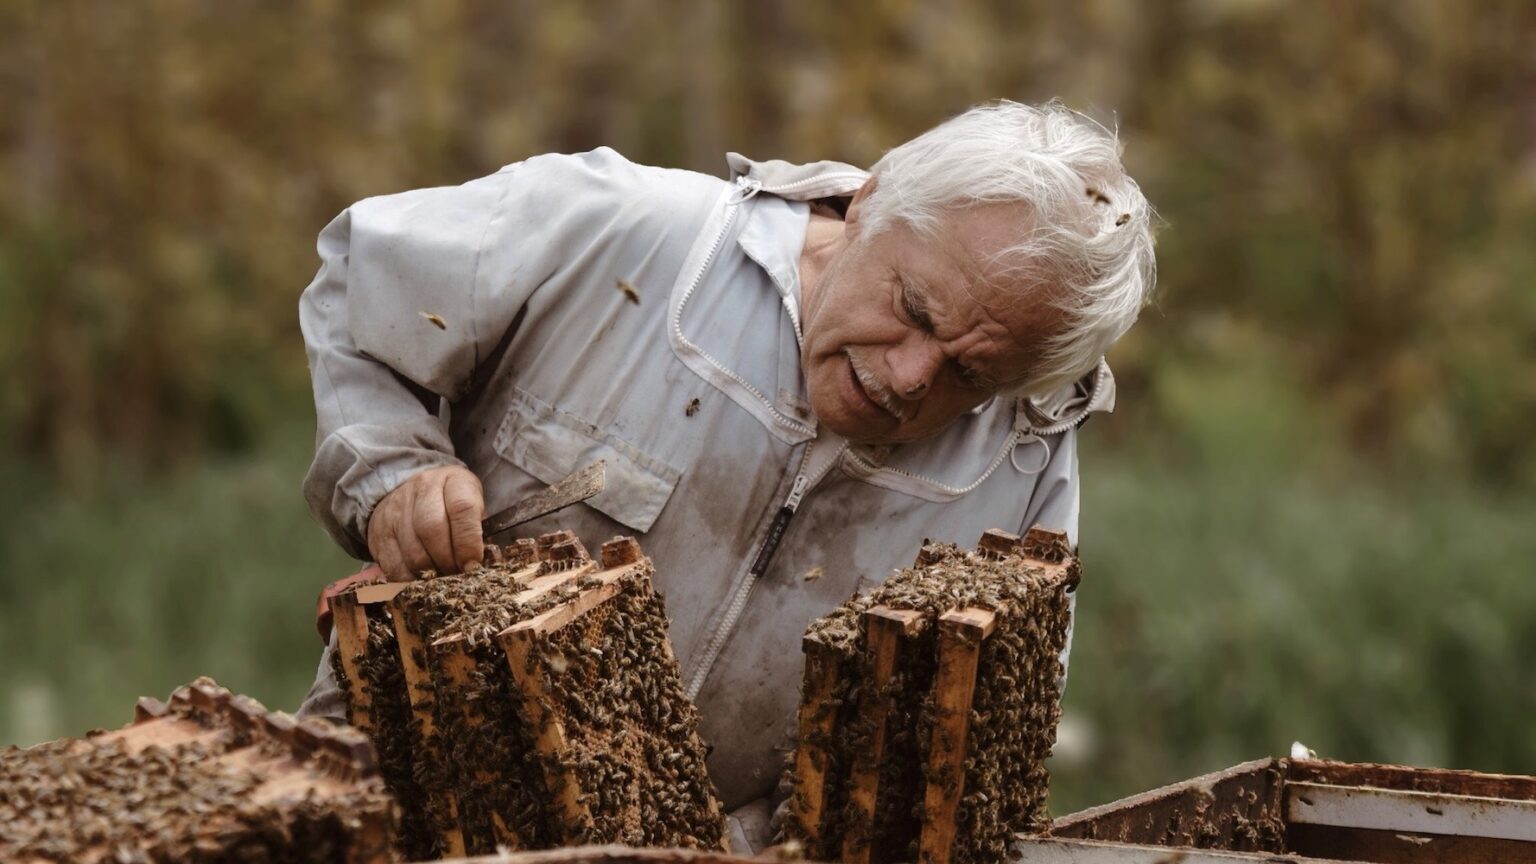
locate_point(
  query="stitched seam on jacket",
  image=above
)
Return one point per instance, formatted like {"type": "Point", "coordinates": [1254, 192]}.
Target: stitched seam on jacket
{"type": "Point", "coordinates": [474, 280]}
{"type": "Point", "coordinates": [657, 481]}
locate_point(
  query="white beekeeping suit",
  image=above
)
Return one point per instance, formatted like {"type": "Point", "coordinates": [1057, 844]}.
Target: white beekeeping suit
{"type": "Point", "coordinates": [499, 299]}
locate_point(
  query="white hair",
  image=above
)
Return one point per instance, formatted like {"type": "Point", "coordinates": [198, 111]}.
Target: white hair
{"type": "Point", "coordinates": [1089, 241]}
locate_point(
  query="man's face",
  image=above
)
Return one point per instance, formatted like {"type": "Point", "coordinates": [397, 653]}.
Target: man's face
{"type": "Point", "coordinates": [903, 333]}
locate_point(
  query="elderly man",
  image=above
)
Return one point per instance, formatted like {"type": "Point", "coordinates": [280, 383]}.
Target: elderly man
{"type": "Point", "coordinates": [795, 375]}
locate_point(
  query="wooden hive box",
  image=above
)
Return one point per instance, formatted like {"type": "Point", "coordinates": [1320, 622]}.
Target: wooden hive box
{"type": "Point", "coordinates": [1306, 810]}
{"type": "Point", "coordinates": [610, 854]}
{"type": "Point", "coordinates": [533, 704]}
{"type": "Point", "coordinates": [930, 705]}
{"type": "Point", "coordinates": [209, 777]}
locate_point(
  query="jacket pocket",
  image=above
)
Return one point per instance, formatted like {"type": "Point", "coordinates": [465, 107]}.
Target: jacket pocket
{"type": "Point", "coordinates": [549, 444]}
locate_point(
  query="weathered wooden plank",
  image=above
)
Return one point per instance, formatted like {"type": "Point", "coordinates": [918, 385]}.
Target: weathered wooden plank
{"type": "Point", "coordinates": [379, 592]}
{"type": "Point", "coordinates": [351, 622]}
{"type": "Point", "coordinates": [1055, 850]}
{"type": "Point", "coordinates": [612, 855]}
{"type": "Point", "coordinates": [422, 696]}
{"type": "Point", "coordinates": [961, 632]}
{"type": "Point", "coordinates": [1403, 810]}
{"type": "Point", "coordinates": [818, 718]}
{"type": "Point", "coordinates": [1145, 817]}
{"type": "Point", "coordinates": [1403, 847]}
{"type": "Point", "coordinates": [884, 628]}
{"type": "Point", "coordinates": [1515, 786]}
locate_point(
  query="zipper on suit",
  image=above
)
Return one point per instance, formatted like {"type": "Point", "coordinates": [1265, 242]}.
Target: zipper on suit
{"type": "Point", "coordinates": [777, 527]}
{"type": "Point", "coordinates": [745, 190]}
{"type": "Point", "coordinates": [810, 473]}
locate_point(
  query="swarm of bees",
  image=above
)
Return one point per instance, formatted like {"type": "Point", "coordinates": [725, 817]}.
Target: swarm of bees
{"type": "Point", "coordinates": [209, 777]}
{"type": "Point", "coordinates": [534, 703]}
{"type": "Point", "coordinates": [930, 706]}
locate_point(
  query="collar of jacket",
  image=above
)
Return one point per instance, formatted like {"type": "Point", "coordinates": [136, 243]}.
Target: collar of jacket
{"type": "Point", "coordinates": [1065, 408]}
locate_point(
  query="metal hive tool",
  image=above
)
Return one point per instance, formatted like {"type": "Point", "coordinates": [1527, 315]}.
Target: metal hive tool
{"type": "Point", "coordinates": [889, 710]}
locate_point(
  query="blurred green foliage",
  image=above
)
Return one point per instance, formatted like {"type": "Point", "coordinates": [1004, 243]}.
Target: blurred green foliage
{"type": "Point", "coordinates": [153, 580]}
{"type": "Point", "coordinates": [1305, 521]}
{"type": "Point", "coordinates": [1230, 608]}
{"type": "Point", "coordinates": [1348, 189]}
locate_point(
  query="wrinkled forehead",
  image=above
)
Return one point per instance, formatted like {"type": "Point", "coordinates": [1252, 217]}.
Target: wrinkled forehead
{"type": "Point", "coordinates": [993, 262]}
{"type": "Point", "coordinates": [986, 242]}
{"type": "Point", "coordinates": [1002, 280]}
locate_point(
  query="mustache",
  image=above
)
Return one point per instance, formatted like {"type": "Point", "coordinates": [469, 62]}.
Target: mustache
{"type": "Point", "coordinates": [875, 387]}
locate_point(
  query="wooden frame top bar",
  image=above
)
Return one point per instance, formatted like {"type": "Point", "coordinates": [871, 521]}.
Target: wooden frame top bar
{"type": "Point", "coordinates": [909, 621]}
{"type": "Point", "coordinates": [536, 588]}
{"type": "Point", "coordinates": [981, 622]}
{"type": "Point", "coordinates": [551, 620]}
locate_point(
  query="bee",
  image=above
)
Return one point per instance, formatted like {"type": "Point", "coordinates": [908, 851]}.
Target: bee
{"type": "Point", "coordinates": [558, 662]}
{"type": "Point", "coordinates": [436, 319]}
{"type": "Point", "coordinates": [790, 850]}
{"type": "Point", "coordinates": [628, 291]}
{"type": "Point", "coordinates": [692, 409]}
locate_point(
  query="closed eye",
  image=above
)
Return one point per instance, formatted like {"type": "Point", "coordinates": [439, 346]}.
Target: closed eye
{"type": "Point", "coordinates": [914, 306]}
{"type": "Point", "coordinates": [973, 380]}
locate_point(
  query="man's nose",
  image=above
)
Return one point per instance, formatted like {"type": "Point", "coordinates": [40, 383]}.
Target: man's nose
{"type": "Point", "coordinates": [914, 365]}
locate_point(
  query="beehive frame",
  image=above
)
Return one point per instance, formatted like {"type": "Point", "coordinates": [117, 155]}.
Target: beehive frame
{"type": "Point", "coordinates": [961, 633]}
{"type": "Point", "coordinates": [437, 672]}
{"type": "Point", "coordinates": [310, 778]}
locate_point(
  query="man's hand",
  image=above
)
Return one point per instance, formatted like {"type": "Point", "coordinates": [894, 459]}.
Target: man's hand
{"type": "Point", "coordinates": [429, 522]}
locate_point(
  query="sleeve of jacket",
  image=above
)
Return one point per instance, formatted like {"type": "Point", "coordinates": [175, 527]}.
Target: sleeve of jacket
{"type": "Point", "coordinates": [413, 292]}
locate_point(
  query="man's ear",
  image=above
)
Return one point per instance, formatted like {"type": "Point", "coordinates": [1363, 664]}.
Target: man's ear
{"type": "Point", "coordinates": [851, 224]}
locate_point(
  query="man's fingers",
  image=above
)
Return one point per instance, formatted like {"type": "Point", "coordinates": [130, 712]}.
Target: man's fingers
{"type": "Point", "coordinates": [413, 556]}
{"type": "Point", "coordinates": [429, 522]}
{"type": "Point", "coordinates": [465, 506]}
{"type": "Point", "coordinates": [387, 555]}
{"type": "Point", "coordinates": [413, 553]}
{"type": "Point", "coordinates": [383, 525]}
{"type": "Point", "coordinates": [430, 519]}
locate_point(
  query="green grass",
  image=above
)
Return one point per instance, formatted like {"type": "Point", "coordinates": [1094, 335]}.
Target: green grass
{"type": "Point", "coordinates": [1225, 614]}
{"type": "Point", "coordinates": [1222, 614]}
{"type": "Point", "coordinates": [151, 581]}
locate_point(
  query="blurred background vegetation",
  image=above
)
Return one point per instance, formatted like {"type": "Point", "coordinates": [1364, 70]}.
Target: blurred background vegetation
{"type": "Point", "coordinates": [1310, 517]}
